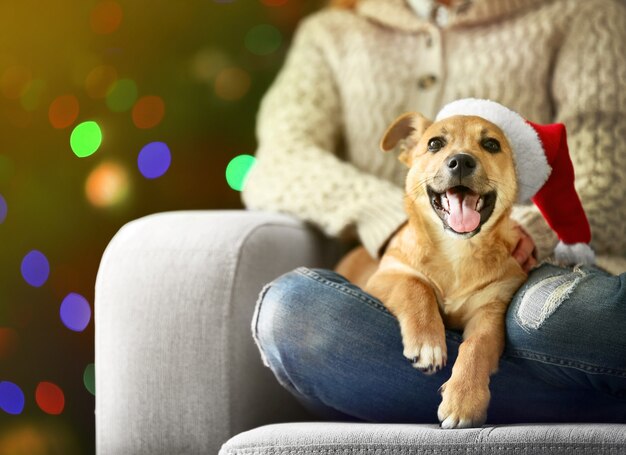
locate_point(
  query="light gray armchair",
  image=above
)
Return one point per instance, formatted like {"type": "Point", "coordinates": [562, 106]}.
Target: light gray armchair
{"type": "Point", "coordinates": [177, 371]}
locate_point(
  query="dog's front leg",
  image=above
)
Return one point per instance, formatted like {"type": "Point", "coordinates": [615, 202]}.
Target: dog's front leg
{"type": "Point", "coordinates": [465, 396]}
{"type": "Point", "coordinates": [414, 304]}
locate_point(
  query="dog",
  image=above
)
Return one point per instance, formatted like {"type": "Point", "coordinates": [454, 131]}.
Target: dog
{"type": "Point", "coordinates": [451, 264]}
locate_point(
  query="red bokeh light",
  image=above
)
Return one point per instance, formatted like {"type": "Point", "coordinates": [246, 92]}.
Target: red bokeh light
{"type": "Point", "coordinates": [106, 17]}
{"type": "Point", "coordinates": [63, 111]}
{"type": "Point", "coordinates": [148, 112]}
{"type": "Point", "coordinates": [50, 398]}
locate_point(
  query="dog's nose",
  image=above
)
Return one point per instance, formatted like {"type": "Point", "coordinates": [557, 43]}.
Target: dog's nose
{"type": "Point", "coordinates": [461, 165]}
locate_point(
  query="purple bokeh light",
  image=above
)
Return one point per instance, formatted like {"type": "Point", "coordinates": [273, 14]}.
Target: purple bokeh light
{"type": "Point", "coordinates": [154, 160]}
{"type": "Point", "coordinates": [75, 312]}
{"type": "Point", "coordinates": [3, 209]}
{"type": "Point", "coordinates": [11, 398]}
{"type": "Point", "coordinates": [35, 268]}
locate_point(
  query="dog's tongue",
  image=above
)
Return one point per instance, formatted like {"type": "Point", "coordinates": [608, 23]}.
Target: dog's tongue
{"type": "Point", "coordinates": [463, 215]}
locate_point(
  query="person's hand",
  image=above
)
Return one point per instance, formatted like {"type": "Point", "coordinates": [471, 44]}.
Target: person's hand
{"type": "Point", "coordinates": [524, 251]}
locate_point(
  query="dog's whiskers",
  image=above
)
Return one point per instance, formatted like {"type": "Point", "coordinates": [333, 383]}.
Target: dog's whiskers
{"type": "Point", "coordinates": [419, 183]}
{"type": "Point", "coordinates": [508, 183]}
{"type": "Point", "coordinates": [498, 185]}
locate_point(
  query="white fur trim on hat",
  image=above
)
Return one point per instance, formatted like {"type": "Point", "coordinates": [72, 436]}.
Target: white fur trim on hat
{"type": "Point", "coordinates": [530, 159]}
{"type": "Point", "coordinates": [575, 253]}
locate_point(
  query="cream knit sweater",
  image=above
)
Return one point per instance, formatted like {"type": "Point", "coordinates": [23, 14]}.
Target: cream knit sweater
{"type": "Point", "coordinates": [349, 73]}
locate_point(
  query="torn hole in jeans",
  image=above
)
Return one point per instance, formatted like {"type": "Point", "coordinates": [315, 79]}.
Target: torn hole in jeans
{"type": "Point", "coordinates": [543, 298]}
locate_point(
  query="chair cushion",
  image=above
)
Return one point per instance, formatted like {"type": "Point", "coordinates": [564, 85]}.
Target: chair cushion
{"type": "Point", "coordinates": [334, 438]}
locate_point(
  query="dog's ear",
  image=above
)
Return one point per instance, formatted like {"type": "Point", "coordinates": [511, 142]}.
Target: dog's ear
{"type": "Point", "coordinates": [407, 128]}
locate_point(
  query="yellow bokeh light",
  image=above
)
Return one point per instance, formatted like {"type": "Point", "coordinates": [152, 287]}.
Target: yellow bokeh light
{"type": "Point", "coordinates": [232, 84]}
{"type": "Point", "coordinates": [23, 440]}
{"type": "Point", "coordinates": [207, 63]}
{"type": "Point", "coordinates": [107, 185]}
{"type": "Point", "coordinates": [37, 437]}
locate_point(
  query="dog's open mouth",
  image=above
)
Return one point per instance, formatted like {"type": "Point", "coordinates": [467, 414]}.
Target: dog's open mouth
{"type": "Point", "coordinates": [461, 209]}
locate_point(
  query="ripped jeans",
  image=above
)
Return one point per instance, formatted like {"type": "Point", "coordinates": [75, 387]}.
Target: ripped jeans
{"type": "Point", "coordinates": [339, 351]}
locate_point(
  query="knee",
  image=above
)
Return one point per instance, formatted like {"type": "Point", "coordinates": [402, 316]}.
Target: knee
{"type": "Point", "coordinates": [285, 317]}
{"type": "Point", "coordinates": [272, 312]}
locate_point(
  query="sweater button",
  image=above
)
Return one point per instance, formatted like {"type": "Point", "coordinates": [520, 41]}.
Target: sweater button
{"type": "Point", "coordinates": [426, 81]}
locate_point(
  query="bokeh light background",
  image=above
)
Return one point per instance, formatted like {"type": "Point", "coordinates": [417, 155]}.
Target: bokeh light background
{"type": "Point", "coordinates": [109, 110]}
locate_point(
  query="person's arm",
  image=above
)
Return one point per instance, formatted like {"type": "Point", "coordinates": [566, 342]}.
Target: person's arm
{"type": "Point", "coordinates": [589, 89]}
{"type": "Point", "coordinates": [297, 171]}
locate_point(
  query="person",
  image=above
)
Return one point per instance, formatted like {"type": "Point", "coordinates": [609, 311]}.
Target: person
{"type": "Point", "coordinates": [355, 66]}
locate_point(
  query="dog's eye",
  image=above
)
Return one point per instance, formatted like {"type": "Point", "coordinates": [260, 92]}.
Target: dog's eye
{"type": "Point", "coordinates": [436, 144]}
{"type": "Point", "coordinates": [491, 145]}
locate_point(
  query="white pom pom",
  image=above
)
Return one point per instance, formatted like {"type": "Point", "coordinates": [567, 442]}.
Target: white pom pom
{"type": "Point", "coordinates": [574, 253]}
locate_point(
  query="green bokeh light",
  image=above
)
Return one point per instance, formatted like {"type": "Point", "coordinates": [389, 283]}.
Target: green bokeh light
{"type": "Point", "coordinates": [32, 96]}
{"type": "Point", "coordinates": [122, 95]}
{"type": "Point", "coordinates": [237, 171]}
{"type": "Point", "coordinates": [89, 378]}
{"type": "Point", "coordinates": [85, 139]}
{"type": "Point", "coordinates": [263, 39]}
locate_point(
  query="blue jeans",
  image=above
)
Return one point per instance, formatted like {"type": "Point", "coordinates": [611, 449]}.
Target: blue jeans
{"type": "Point", "coordinates": [339, 351]}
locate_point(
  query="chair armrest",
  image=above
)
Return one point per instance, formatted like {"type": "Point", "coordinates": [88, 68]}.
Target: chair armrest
{"type": "Point", "coordinates": [177, 371]}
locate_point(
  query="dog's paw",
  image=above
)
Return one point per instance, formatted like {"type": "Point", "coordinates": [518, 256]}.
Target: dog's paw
{"type": "Point", "coordinates": [426, 350]}
{"type": "Point", "coordinates": [463, 406]}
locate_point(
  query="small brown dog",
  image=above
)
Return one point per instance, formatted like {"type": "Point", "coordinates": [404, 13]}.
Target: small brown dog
{"type": "Point", "coordinates": [451, 265]}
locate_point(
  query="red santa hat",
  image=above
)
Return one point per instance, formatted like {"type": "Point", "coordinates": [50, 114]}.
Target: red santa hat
{"type": "Point", "coordinates": [545, 173]}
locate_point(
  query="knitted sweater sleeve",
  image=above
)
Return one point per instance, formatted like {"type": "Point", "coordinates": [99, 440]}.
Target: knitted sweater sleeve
{"type": "Point", "coordinates": [298, 171]}
{"type": "Point", "coordinates": [588, 88]}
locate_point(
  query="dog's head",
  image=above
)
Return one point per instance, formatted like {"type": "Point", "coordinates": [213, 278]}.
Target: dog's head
{"type": "Point", "coordinates": [461, 170]}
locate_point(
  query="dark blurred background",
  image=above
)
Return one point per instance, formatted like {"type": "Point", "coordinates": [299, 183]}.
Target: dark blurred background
{"type": "Point", "coordinates": [166, 93]}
